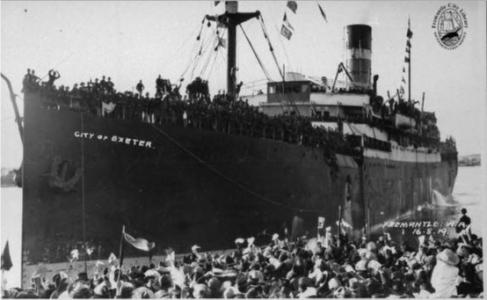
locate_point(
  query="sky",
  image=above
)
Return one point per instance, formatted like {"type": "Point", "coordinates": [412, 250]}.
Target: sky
{"type": "Point", "coordinates": [131, 41]}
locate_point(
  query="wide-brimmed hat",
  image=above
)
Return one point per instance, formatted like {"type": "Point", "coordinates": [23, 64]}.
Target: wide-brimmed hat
{"type": "Point", "coordinates": [448, 257]}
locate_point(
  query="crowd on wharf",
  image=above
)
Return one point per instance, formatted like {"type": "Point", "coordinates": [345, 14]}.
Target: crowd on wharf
{"type": "Point", "coordinates": [330, 266]}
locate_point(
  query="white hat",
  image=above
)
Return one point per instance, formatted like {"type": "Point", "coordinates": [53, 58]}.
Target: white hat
{"type": "Point", "coordinates": [195, 247]}
{"type": "Point", "coordinates": [448, 257]}
{"type": "Point", "coordinates": [275, 236]}
{"type": "Point", "coordinates": [239, 241]}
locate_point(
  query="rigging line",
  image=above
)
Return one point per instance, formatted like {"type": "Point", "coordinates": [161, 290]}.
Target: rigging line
{"type": "Point", "coordinates": [290, 99]}
{"type": "Point", "coordinates": [209, 56]}
{"type": "Point", "coordinates": [284, 48]}
{"type": "Point", "coordinates": [213, 169]}
{"type": "Point", "coordinates": [203, 50]}
{"type": "Point", "coordinates": [193, 56]}
{"type": "Point", "coordinates": [271, 48]}
{"type": "Point", "coordinates": [185, 41]}
{"type": "Point", "coordinates": [212, 63]}
{"type": "Point", "coordinates": [62, 61]}
{"type": "Point", "coordinates": [255, 54]}
{"type": "Point", "coordinates": [216, 57]}
{"type": "Point", "coordinates": [197, 57]}
{"type": "Point", "coordinates": [219, 38]}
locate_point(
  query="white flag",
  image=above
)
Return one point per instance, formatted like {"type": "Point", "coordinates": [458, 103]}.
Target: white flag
{"type": "Point", "coordinates": [139, 243]}
{"type": "Point", "coordinates": [321, 222]}
{"type": "Point", "coordinates": [107, 108]}
{"type": "Point", "coordinates": [74, 255]}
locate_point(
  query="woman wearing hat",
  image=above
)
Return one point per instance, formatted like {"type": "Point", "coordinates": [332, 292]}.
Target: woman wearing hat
{"type": "Point", "coordinates": [445, 274]}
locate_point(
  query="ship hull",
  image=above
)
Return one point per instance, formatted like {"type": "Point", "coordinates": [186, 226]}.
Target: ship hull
{"type": "Point", "coordinates": [86, 176]}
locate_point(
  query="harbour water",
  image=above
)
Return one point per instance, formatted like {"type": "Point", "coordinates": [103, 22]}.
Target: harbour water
{"type": "Point", "coordinates": [467, 193]}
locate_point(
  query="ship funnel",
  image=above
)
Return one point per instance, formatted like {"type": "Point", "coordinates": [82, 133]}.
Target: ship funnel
{"type": "Point", "coordinates": [358, 47]}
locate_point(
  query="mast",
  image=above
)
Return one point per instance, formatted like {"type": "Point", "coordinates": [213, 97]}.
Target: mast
{"type": "Point", "coordinates": [231, 19]}
{"type": "Point", "coordinates": [409, 35]}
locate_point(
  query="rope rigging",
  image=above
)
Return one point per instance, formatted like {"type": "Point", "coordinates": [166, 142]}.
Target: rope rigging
{"type": "Point", "coordinates": [219, 173]}
{"type": "Point", "coordinates": [255, 54]}
{"type": "Point", "coordinates": [193, 56]}
{"type": "Point", "coordinates": [271, 48]}
{"type": "Point", "coordinates": [205, 45]}
{"type": "Point", "coordinates": [210, 61]}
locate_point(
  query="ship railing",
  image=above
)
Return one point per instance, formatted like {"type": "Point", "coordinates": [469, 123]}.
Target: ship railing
{"type": "Point", "coordinates": [236, 118]}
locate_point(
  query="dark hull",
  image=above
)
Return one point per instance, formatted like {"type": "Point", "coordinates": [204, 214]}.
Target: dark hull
{"type": "Point", "coordinates": [195, 186]}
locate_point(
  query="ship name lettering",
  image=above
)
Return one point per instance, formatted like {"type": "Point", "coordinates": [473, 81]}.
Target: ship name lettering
{"type": "Point", "coordinates": [85, 135]}
{"type": "Point", "coordinates": [130, 141]}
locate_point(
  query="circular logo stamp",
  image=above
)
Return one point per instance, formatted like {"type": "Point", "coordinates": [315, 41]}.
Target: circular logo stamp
{"type": "Point", "coordinates": [450, 25]}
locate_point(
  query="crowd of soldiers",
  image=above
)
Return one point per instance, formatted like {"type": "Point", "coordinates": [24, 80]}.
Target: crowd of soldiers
{"type": "Point", "coordinates": [196, 109]}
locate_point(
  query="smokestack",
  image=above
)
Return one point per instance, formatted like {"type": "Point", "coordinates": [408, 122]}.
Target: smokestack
{"type": "Point", "coordinates": [358, 44]}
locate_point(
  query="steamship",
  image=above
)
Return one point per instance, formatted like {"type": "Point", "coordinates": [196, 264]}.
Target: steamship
{"type": "Point", "coordinates": [84, 176]}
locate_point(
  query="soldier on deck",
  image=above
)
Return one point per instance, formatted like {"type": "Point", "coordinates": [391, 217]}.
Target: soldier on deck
{"type": "Point", "coordinates": [159, 86]}
{"type": "Point", "coordinates": [33, 77]}
{"type": "Point", "coordinates": [103, 83]}
{"type": "Point", "coordinates": [237, 90]}
{"type": "Point", "coordinates": [27, 80]}
{"type": "Point", "coordinates": [110, 86]}
{"type": "Point", "coordinates": [53, 76]}
{"type": "Point", "coordinates": [140, 88]}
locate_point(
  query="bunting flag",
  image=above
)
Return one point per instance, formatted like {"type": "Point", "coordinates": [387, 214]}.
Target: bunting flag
{"type": "Point", "coordinates": [401, 90]}
{"type": "Point", "coordinates": [216, 2]}
{"type": "Point", "coordinates": [286, 22]}
{"type": "Point", "coordinates": [286, 32]}
{"type": "Point", "coordinates": [293, 6]}
{"type": "Point", "coordinates": [139, 243]}
{"type": "Point", "coordinates": [404, 69]}
{"type": "Point", "coordinates": [409, 34]}
{"type": "Point", "coordinates": [322, 12]}
{"type": "Point", "coordinates": [6, 259]}
{"type": "Point", "coordinates": [403, 80]}
{"type": "Point", "coordinates": [222, 42]}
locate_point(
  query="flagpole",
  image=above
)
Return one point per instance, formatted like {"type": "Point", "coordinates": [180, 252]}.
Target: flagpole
{"type": "Point", "coordinates": [339, 220]}
{"type": "Point", "coordinates": [120, 257]}
{"type": "Point", "coordinates": [409, 64]}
